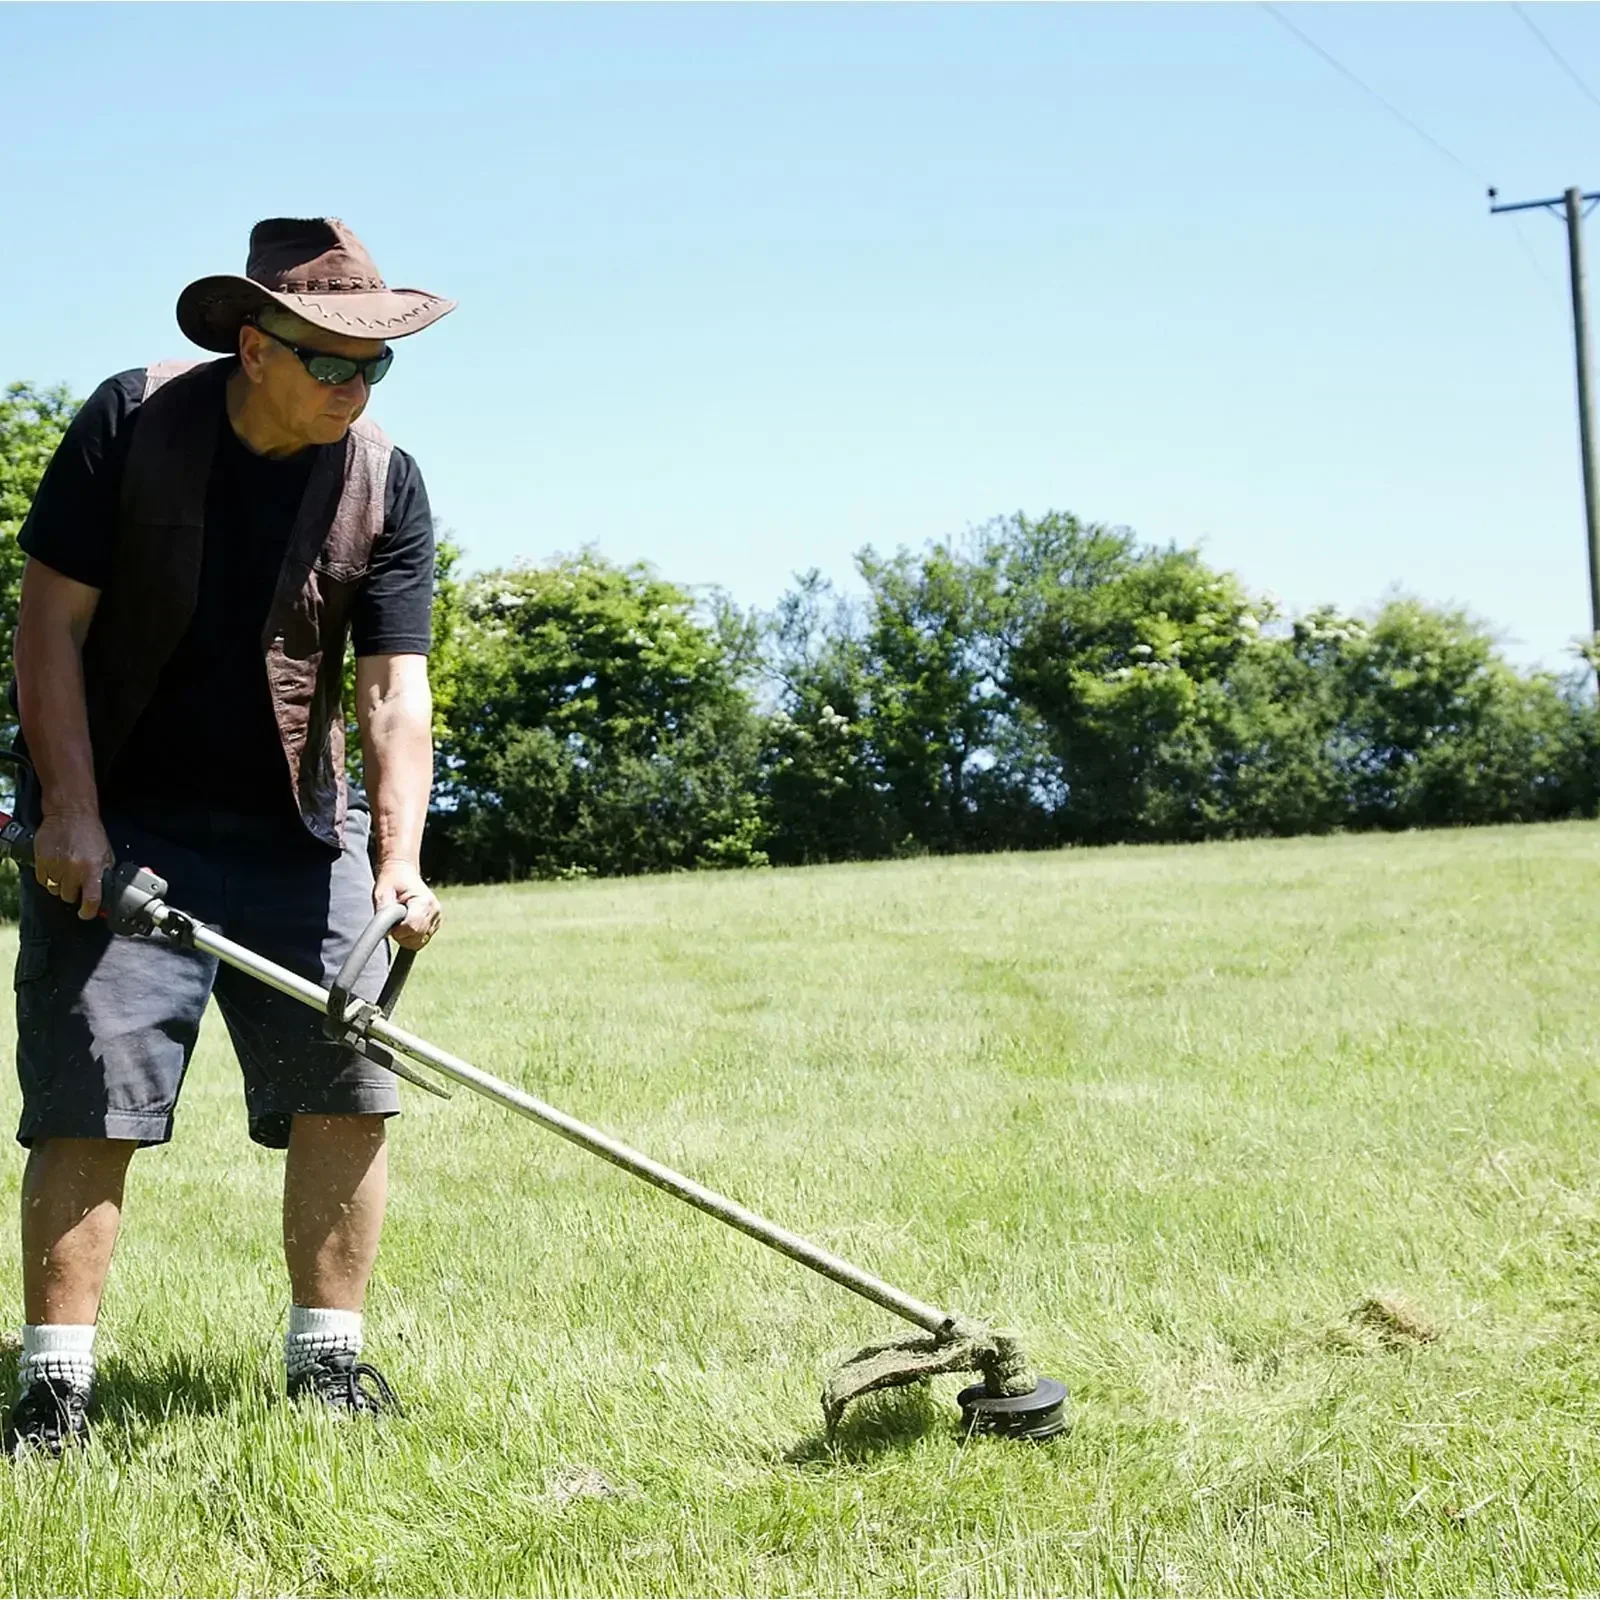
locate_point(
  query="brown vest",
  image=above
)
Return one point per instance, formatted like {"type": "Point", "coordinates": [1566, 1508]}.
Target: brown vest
{"type": "Point", "coordinates": [150, 597]}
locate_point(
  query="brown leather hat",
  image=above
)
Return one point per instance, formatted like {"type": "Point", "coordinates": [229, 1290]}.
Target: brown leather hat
{"type": "Point", "coordinates": [316, 268]}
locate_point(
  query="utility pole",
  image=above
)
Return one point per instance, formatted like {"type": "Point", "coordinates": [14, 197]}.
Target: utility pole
{"type": "Point", "coordinates": [1575, 206]}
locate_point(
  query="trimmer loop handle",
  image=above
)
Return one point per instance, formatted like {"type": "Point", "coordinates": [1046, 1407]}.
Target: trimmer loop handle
{"type": "Point", "coordinates": [340, 991]}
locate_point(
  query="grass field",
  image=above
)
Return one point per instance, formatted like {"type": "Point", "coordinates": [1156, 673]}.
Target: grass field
{"type": "Point", "coordinates": [1175, 1113]}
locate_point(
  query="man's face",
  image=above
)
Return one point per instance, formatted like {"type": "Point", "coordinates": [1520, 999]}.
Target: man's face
{"type": "Point", "coordinates": [300, 407]}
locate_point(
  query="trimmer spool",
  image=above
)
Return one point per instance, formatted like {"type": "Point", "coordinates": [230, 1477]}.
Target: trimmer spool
{"type": "Point", "coordinates": [1038, 1415]}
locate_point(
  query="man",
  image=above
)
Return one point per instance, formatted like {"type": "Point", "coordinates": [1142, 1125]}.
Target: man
{"type": "Point", "coordinates": [204, 543]}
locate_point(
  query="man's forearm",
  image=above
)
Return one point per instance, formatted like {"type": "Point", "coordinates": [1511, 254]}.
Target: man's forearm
{"type": "Point", "coordinates": [397, 746]}
{"type": "Point", "coordinates": [55, 720]}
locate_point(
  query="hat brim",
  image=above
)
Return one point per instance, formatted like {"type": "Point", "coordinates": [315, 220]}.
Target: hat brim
{"type": "Point", "coordinates": [212, 310]}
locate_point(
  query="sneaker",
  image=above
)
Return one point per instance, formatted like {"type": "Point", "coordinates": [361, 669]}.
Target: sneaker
{"type": "Point", "coordinates": [345, 1385]}
{"type": "Point", "coordinates": [52, 1416]}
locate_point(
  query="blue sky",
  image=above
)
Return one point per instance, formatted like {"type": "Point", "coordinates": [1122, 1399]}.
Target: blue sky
{"type": "Point", "coordinates": [744, 288]}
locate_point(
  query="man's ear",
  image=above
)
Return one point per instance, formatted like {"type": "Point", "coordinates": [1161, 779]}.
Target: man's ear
{"type": "Point", "coordinates": [252, 351]}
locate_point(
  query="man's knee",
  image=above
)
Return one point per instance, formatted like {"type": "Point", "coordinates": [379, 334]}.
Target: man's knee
{"type": "Point", "coordinates": [345, 1130]}
{"type": "Point", "coordinates": [85, 1156]}
{"type": "Point", "coordinates": [84, 1172]}
{"type": "Point", "coordinates": [73, 1177]}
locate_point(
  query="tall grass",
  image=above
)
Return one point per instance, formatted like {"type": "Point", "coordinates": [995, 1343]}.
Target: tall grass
{"type": "Point", "coordinates": [1282, 1155]}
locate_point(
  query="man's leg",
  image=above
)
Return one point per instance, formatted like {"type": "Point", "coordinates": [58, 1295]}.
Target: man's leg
{"type": "Point", "coordinates": [319, 1100]}
{"type": "Point", "coordinates": [71, 1208]}
{"type": "Point", "coordinates": [105, 1027]}
{"type": "Point", "coordinates": [335, 1183]}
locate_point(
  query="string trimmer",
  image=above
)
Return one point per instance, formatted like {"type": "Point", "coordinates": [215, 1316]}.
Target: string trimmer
{"type": "Point", "coordinates": [1011, 1400]}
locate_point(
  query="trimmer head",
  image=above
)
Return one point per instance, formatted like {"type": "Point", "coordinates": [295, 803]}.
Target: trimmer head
{"type": "Point", "coordinates": [1038, 1415]}
{"type": "Point", "coordinates": [1035, 1408]}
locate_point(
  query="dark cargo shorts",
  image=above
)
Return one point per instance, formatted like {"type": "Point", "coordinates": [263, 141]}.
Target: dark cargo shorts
{"type": "Point", "coordinates": [106, 1025]}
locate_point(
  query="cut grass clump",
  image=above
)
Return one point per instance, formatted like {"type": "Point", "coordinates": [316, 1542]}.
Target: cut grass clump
{"type": "Point", "coordinates": [1395, 1320]}
{"type": "Point", "coordinates": [1379, 1324]}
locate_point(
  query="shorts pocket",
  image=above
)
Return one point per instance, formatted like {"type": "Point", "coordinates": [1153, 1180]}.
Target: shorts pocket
{"type": "Point", "coordinates": [33, 960]}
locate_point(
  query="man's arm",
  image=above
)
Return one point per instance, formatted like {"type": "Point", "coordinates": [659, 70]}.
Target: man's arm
{"type": "Point", "coordinates": [71, 851]}
{"type": "Point", "coordinates": [394, 709]}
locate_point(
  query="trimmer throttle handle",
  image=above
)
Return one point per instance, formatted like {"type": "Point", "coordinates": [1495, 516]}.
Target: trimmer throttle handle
{"type": "Point", "coordinates": [127, 894]}
{"type": "Point", "coordinates": [127, 891]}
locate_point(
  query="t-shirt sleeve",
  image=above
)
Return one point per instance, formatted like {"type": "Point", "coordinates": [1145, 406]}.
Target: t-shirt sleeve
{"type": "Point", "coordinates": [72, 524]}
{"type": "Point", "coordinates": [393, 610]}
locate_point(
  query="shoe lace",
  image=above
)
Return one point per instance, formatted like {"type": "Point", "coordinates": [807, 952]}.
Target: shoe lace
{"type": "Point", "coordinates": [51, 1411]}
{"type": "Point", "coordinates": [358, 1385]}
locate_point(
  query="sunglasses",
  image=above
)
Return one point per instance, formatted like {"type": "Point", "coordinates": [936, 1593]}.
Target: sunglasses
{"type": "Point", "coordinates": [333, 370]}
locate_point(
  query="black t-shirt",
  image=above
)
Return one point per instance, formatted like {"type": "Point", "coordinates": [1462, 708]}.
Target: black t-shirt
{"type": "Point", "coordinates": [208, 739]}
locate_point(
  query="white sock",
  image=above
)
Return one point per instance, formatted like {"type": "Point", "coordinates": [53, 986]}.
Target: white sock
{"type": "Point", "coordinates": [315, 1333]}
{"type": "Point", "coordinates": [60, 1350]}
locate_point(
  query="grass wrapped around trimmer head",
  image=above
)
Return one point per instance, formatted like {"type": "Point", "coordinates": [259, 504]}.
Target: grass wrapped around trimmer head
{"type": "Point", "coordinates": [964, 1347]}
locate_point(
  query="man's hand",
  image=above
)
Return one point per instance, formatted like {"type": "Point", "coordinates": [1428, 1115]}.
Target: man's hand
{"type": "Point", "coordinates": [400, 881]}
{"type": "Point", "coordinates": [71, 854]}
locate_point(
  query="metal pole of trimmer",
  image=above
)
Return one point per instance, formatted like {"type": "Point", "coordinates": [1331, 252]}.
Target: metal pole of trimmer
{"type": "Point", "coordinates": [385, 1032]}
{"type": "Point", "coordinates": [134, 903]}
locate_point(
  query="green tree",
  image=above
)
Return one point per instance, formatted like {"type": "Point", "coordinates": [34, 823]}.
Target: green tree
{"type": "Point", "coordinates": [934, 699]}
{"type": "Point", "coordinates": [1440, 729]}
{"type": "Point", "coordinates": [895, 728]}
{"type": "Point", "coordinates": [598, 723]}
{"type": "Point", "coordinates": [1130, 674]}
{"type": "Point", "coordinates": [822, 786]}
{"type": "Point", "coordinates": [963, 757]}
{"type": "Point", "coordinates": [1278, 748]}
{"type": "Point", "coordinates": [1048, 680]}
{"type": "Point", "coordinates": [32, 422]}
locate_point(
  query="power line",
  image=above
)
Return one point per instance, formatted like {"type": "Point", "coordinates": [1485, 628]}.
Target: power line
{"type": "Point", "coordinates": [1566, 67]}
{"type": "Point", "coordinates": [1372, 94]}
{"type": "Point", "coordinates": [1559, 59]}
{"type": "Point", "coordinates": [1422, 133]}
